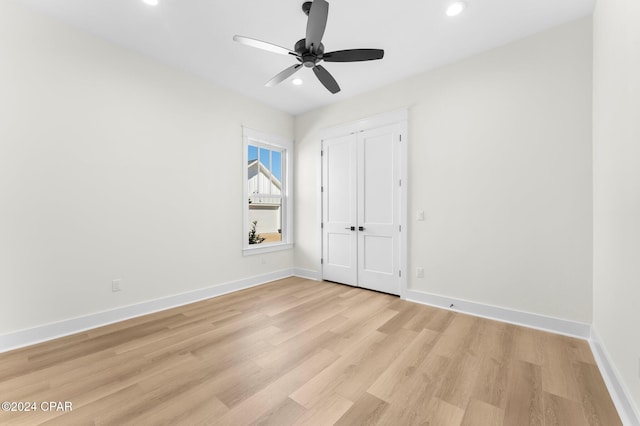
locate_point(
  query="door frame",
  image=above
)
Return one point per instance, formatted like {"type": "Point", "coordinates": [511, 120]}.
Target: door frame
{"type": "Point", "coordinates": [401, 118]}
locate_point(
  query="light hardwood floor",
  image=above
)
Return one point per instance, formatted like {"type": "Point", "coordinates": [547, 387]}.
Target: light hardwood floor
{"type": "Point", "coordinates": [302, 352]}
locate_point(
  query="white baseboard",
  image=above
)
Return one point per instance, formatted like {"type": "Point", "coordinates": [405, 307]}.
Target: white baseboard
{"type": "Point", "coordinates": [629, 413]}
{"type": "Point", "coordinates": [307, 273]}
{"type": "Point", "coordinates": [526, 319]}
{"type": "Point", "coordinates": [55, 330]}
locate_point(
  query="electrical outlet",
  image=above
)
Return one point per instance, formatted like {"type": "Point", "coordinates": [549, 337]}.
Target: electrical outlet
{"type": "Point", "coordinates": [419, 272]}
{"type": "Point", "coordinates": [116, 285]}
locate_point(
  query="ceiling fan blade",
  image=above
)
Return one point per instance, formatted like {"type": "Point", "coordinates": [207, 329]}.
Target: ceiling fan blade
{"type": "Point", "coordinates": [316, 23]}
{"type": "Point", "coordinates": [282, 76]}
{"type": "Point", "coordinates": [353, 55]}
{"type": "Point", "coordinates": [264, 45]}
{"type": "Point", "coordinates": [326, 79]}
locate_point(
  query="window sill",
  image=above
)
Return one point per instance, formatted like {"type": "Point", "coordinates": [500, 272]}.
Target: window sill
{"type": "Point", "coordinates": [266, 249]}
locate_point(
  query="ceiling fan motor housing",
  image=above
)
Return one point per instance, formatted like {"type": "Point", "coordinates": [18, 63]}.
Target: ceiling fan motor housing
{"type": "Point", "coordinates": [309, 59]}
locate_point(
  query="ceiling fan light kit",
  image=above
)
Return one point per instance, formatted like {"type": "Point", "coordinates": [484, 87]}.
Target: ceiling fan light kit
{"type": "Point", "coordinates": [309, 51]}
{"type": "Point", "coordinates": [456, 8]}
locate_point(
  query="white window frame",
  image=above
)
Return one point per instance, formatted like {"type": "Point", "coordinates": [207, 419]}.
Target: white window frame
{"type": "Point", "coordinates": [264, 140]}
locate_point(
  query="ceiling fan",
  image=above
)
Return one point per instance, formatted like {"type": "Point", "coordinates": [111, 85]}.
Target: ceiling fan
{"type": "Point", "coordinates": [310, 51]}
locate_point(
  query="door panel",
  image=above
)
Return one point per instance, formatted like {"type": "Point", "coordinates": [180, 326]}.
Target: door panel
{"type": "Point", "coordinates": [378, 254]}
{"type": "Point", "coordinates": [377, 178]}
{"type": "Point", "coordinates": [378, 209]}
{"type": "Point", "coordinates": [339, 248]}
{"type": "Point", "coordinates": [339, 202]}
{"type": "Point", "coordinates": [337, 184]}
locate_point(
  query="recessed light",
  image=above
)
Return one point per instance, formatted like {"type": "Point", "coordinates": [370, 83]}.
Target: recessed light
{"type": "Point", "coordinates": [151, 2]}
{"type": "Point", "coordinates": [456, 8]}
{"type": "Point", "coordinates": [297, 81]}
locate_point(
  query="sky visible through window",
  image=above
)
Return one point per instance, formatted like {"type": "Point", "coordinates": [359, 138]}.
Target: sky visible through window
{"type": "Point", "coordinates": [274, 165]}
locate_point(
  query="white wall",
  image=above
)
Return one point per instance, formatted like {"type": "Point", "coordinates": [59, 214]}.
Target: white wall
{"type": "Point", "coordinates": [114, 166]}
{"type": "Point", "coordinates": [109, 169]}
{"type": "Point", "coordinates": [500, 161]}
{"type": "Point", "coordinates": [617, 187]}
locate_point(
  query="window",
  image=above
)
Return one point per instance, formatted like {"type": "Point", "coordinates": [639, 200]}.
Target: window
{"type": "Point", "coordinates": [267, 193]}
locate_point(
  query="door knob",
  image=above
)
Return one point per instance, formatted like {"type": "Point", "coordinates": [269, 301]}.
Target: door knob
{"type": "Point", "coordinates": [353, 228]}
{"type": "Point", "coordinates": [360, 228]}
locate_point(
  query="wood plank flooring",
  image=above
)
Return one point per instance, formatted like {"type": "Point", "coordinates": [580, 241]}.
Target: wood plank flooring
{"type": "Point", "coordinates": [299, 352]}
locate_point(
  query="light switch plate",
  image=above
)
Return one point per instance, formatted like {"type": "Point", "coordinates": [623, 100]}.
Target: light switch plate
{"type": "Point", "coordinates": [116, 285]}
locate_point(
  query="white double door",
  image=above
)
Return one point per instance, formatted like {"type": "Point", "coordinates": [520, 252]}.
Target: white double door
{"type": "Point", "coordinates": [361, 209]}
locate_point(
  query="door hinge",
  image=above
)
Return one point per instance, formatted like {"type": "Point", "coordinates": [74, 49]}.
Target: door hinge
{"type": "Point", "coordinates": [399, 228]}
{"type": "Point", "coordinates": [321, 153]}
{"type": "Point", "coordinates": [321, 261]}
{"type": "Point", "coordinates": [400, 274]}
{"type": "Point", "coordinates": [322, 189]}
{"type": "Point", "coordinates": [321, 225]}
{"type": "Point", "coordinates": [400, 137]}
{"type": "Point", "coordinates": [400, 182]}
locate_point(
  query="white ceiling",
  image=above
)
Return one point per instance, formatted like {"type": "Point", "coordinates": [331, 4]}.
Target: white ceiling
{"type": "Point", "coordinates": [196, 36]}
